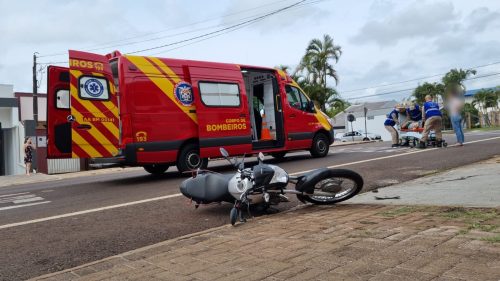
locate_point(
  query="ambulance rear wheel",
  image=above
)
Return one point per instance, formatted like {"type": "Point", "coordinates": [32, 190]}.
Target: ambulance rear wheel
{"type": "Point", "coordinates": [156, 169]}
{"type": "Point", "coordinates": [190, 159]}
{"type": "Point", "coordinates": [320, 146]}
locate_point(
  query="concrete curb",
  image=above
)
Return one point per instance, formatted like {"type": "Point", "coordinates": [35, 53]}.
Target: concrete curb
{"type": "Point", "coordinates": [335, 144]}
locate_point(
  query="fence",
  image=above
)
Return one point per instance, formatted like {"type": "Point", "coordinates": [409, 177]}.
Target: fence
{"type": "Point", "coordinates": [491, 119]}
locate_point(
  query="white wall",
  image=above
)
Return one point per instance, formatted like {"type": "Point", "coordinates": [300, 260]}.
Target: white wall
{"type": "Point", "coordinates": [6, 91]}
{"type": "Point", "coordinates": [13, 132]}
{"type": "Point", "coordinates": [374, 126]}
{"type": "Point", "coordinates": [26, 104]}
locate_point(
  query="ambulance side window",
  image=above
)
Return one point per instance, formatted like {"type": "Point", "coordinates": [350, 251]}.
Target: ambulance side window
{"type": "Point", "coordinates": [220, 94]}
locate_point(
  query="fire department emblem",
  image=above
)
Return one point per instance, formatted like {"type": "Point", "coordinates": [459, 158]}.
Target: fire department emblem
{"type": "Point", "coordinates": [184, 93]}
{"type": "Point", "coordinates": [93, 87]}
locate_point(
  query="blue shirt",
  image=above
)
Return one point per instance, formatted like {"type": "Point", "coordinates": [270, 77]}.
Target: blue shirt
{"type": "Point", "coordinates": [390, 121]}
{"type": "Point", "coordinates": [414, 114]}
{"type": "Point", "coordinates": [431, 109]}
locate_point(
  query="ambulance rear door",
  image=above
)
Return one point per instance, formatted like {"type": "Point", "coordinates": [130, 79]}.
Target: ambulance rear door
{"type": "Point", "coordinates": [94, 106]}
{"type": "Point", "coordinates": [58, 110]}
{"type": "Point", "coordinates": [222, 111]}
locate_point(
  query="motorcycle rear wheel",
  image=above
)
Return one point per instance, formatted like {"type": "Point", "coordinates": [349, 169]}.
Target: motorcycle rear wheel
{"type": "Point", "coordinates": [339, 185]}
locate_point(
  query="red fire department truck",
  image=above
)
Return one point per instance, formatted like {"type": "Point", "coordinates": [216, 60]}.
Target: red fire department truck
{"type": "Point", "coordinates": [156, 112]}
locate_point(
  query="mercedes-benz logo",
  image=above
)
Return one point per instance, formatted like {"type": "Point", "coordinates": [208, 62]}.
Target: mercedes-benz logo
{"type": "Point", "coordinates": [70, 118]}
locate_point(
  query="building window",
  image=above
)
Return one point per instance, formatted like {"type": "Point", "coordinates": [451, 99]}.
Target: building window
{"type": "Point", "coordinates": [220, 94]}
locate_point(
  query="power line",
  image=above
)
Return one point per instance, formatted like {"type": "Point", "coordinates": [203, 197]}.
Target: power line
{"type": "Point", "coordinates": [228, 31]}
{"type": "Point", "coordinates": [216, 33]}
{"type": "Point", "coordinates": [179, 27]}
{"type": "Point", "coordinates": [219, 30]}
{"type": "Point", "coordinates": [190, 31]}
{"type": "Point", "coordinates": [411, 80]}
{"type": "Point", "coordinates": [411, 89]}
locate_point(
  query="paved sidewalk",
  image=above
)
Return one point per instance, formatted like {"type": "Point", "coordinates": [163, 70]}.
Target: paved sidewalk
{"type": "Point", "coordinates": [343, 242]}
{"type": "Point", "coordinates": [475, 185]}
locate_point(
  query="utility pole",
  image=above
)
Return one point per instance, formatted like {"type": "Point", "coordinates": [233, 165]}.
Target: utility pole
{"type": "Point", "coordinates": [35, 92]}
{"type": "Point", "coordinates": [365, 110]}
{"type": "Point", "coordinates": [35, 109]}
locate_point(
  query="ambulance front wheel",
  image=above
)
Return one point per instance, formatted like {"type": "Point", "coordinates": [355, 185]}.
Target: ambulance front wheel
{"type": "Point", "coordinates": [190, 159]}
{"type": "Point", "coordinates": [320, 146]}
{"type": "Point", "coordinates": [156, 169]}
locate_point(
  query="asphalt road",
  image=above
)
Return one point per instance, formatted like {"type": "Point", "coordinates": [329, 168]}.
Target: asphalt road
{"type": "Point", "coordinates": [70, 222]}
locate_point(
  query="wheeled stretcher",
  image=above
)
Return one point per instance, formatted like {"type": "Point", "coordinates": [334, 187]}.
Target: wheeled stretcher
{"type": "Point", "coordinates": [412, 137]}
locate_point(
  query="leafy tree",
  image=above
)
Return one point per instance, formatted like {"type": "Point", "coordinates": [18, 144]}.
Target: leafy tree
{"type": "Point", "coordinates": [317, 93]}
{"type": "Point", "coordinates": [337, 106]}
{"type": "Point", "coordinates": [433, 89]}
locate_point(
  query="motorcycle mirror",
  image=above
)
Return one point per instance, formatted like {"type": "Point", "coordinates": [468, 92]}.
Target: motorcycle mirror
{"type": "Point", "coordinates": [224, 152]}
{"type": "Point", "coordinates": [261, 157]}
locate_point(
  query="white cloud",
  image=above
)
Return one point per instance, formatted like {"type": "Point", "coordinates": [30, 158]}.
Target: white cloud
{"type": "Point", "coordinates": [419, 19]}
{"type": "Point", "coordinates": [302, 14]}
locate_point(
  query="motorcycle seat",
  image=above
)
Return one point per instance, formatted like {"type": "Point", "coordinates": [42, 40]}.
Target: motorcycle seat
{"type": "Point", "coordinates": [207, 188]}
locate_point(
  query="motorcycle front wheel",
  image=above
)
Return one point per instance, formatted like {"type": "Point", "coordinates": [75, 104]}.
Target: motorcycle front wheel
{"type": "Point", "coordinates": [337, 186]}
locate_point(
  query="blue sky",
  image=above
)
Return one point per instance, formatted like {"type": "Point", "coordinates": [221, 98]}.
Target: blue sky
{"type": "Point", "coordinates": [383, 41]}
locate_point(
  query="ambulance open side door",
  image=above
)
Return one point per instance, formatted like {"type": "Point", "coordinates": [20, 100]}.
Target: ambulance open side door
{"type": "Point", "coordinates": [94, 115]}
{"type": "Point", "coordinates": [222, 111]}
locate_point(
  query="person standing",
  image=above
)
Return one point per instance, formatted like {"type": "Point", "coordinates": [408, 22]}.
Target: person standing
{"type": "Point", "coordinates": [28, 154]}
{"type": "Point", "coordinates": [389, 123]}
{"type": "Point", "coordinates": [455, 106]}
{"type": "Point", "coordinates": [432, 118]}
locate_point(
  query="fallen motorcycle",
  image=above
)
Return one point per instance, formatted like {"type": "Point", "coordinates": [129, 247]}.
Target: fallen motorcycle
{"type": "Point", "coordinates": [265, 185]}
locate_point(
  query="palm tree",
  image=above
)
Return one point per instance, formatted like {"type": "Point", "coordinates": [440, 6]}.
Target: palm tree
{"type": "Point", "coordinates": [484, 99]}
{"type": "Point", "coordinates": [317, 62]}
{"type": "Point", "coordinates": [453, 79]}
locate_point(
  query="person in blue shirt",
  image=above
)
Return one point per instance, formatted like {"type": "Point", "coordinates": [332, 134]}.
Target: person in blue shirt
{"type": "Point", "coordinates": [432, 117]}
{"type": "Point", "coordinates": [413, 116]}
{"type": "Point", "coordinates": [389, 123]}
